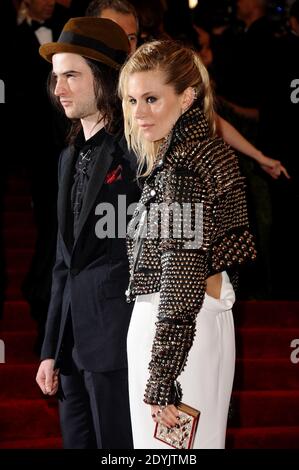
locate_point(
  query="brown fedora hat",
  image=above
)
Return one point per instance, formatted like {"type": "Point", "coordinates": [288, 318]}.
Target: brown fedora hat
{"type": "Point", "coordinates": [95, 38]}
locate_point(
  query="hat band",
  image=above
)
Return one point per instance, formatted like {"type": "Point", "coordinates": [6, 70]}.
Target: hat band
{"type": "Point", "coordinates": [77, 40]}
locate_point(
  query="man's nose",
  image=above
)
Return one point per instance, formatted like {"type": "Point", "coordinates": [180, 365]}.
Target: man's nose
{"type": "Point", "coordinates": [59, 87]}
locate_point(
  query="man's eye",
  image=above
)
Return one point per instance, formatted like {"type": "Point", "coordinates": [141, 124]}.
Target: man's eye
{"type": "Point", "coordinates": [151, 99]}
{"type": "Point", "coordinates": [132, 37]}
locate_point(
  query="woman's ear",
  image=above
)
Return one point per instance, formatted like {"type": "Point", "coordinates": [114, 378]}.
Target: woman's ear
{"type": "Point", "coordinates": [188, 98]}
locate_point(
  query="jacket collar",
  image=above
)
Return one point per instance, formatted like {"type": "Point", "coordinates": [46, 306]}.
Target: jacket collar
{"type": "Point", "coordinates": [192, 125]}
{"type": "Point", "coordinates": [105, 153]}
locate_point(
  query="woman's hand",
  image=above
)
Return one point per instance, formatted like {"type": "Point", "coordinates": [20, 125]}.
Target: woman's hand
{"type": "Point", "coordinates": [273, 167]}
{"type": "Point", "coordinates": [168, 415]}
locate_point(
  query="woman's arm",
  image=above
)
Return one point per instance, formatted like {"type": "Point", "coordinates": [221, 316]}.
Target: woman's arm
{"type": "Point", "coordinates": [233, 137]}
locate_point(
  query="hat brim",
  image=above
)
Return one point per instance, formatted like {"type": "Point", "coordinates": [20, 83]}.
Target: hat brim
{"type": "Point", "coordinates": [48, 50]}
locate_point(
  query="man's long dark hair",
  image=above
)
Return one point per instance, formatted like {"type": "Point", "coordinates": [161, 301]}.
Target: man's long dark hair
{"type": "Point", "coordinates": [108, 103]}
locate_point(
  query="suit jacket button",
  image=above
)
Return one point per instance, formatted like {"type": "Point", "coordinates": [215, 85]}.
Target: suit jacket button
{"type": "Point", "coordinates": [74, 271]}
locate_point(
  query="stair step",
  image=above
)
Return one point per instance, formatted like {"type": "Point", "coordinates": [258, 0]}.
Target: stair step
{"type": "Point", "coordinates": [38, 443]}
{"type": "Point", "coordinates": [16, 316]}
{"type": "Point", "coordinates": [18, 381]}
{"type": "Point", "coordinates": [21, 418]}
{"type": "Point", "coordinates": [16, 237]}
{"type": "Point", "coordinates": [19, 347]}
{"type": "Point", "coordinates": [18, 202]}
{"type": "Point", "coordinates": [19, 258]}
{"type": "Point", "coordinates": [15, 278]}
{"type": "Point", "coordinates": [17, 219]}
{"type": "Point", "coordinates": [266, 313]}
{"type": "Point", "coordinates": [265, 408]}
{"type": "Point", "coordinates": [262, 342]}
{"type": "Point", "coordinates": [18, 184]}
{"type": "Point", "coordinates": [263, 438]}
{"type": "Point", "coordinates": [266, 374]}
{"type": "Point", "coordinates": [13, 293]}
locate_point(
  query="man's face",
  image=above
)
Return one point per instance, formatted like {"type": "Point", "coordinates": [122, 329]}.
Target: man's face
{"type": "Point", "coordinates": [244, 8]}
{"type": "Point", "coordinates": [40, 9]}
{"type": "Point", "coordinates": [126, 21]}
{"type": "Point", "coordinates": [74, 86]}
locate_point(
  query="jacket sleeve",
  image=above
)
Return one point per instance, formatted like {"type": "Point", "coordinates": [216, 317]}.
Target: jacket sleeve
{"type": "Point", "coordinates": [59, 277]}
{"type": "Point", "coordinates": [226, 243]}
{"type": "Point", "coordinates": [182, 289]}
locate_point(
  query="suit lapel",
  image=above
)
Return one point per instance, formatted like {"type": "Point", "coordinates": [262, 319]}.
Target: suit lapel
{"type": "Point", "coordinates": [101, 166]}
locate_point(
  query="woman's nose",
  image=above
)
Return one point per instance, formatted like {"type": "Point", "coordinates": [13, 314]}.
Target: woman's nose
{"type": "Point", "coordinates": [139, 111]}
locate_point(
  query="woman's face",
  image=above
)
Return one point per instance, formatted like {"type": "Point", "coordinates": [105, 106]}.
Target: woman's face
{"type": "Point", "coordinates": [155, 106]}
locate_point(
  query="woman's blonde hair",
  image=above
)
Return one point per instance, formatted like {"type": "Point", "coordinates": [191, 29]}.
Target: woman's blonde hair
{"type": "Point", "coordinates": [183, 68]}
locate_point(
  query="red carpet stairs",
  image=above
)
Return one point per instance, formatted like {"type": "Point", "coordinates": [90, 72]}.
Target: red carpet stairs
{"type": "Point", "coordinates": [265, 411]}
{"type": "Point", "coordinates": [27, 419]}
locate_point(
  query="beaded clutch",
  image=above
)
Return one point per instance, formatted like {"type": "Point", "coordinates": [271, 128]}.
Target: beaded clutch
{"type": "Point", "coordinates": [182, 437]}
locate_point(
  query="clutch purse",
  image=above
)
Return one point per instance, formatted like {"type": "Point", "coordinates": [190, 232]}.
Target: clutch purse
{"type": "Point", "coordinates": [182, 437]}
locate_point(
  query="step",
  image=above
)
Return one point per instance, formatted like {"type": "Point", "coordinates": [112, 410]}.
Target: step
{"type": "Point", "coordinates": [16, 237]}
{"type": "Point", "coordinates": [264, 313]}
{"type": "Point", "coordinates": [18, 255]}
{"type": "Point", "coordinates": [18, 184]}
{"type": "Point", "coordinates": [28, 419]}
{"type": "Point", "coordinates": [18, 219]}
{"type": "Point", "coordinates": [19, 347]}
{"type": "Point", "coordinates": [38, 443]}
{"type": "Point", "coordinates": [16, 202]}
{"type": "Point", "coordinates": [16, 316]}
{"type": "Point", "coordinates": [13, 293]}
{"type": "Point", "coordinates": [266, 374]}
{"type": "Point", "coordinates": [18, 381]}
{"type": "Point", "coordinates": [265, 408]}
{"type": "Point", "coordinates": [263, 438]}
{"type": "Point", "coordinates": [265, 342]}
{"type": "Point", "coordinates": [15, 277]}
{"type": "Point", "coordinates": [19, 258]}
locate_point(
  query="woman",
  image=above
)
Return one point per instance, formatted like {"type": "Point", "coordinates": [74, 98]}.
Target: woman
{"type": "Point", "coordinates": [183, 284]}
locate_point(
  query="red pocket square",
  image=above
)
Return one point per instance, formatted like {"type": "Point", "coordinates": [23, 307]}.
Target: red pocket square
{"type": "Point", "coordinates": [114, 175]}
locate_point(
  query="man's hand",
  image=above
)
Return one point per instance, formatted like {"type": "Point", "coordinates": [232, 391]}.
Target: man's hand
{"type": "Point", "coordinates": [47, 377]}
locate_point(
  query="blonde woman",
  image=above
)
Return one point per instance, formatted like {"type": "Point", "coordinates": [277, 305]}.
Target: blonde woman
{"type": "Point", "coordinates": [188, 235]}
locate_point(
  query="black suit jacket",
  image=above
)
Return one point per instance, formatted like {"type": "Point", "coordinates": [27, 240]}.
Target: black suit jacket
{"type": "Point", "coordinates": [90, 275]}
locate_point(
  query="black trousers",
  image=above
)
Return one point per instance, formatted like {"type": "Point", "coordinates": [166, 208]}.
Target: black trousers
{"type": "Point", "coordinates": [94, 409]}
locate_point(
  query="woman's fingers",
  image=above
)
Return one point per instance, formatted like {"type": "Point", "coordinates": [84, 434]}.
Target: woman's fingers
{"type": "Point", "coordinates": [167, 415]}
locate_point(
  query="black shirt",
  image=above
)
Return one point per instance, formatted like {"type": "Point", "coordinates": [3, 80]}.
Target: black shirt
{"type": "Point", "coordinates": [83, 169]}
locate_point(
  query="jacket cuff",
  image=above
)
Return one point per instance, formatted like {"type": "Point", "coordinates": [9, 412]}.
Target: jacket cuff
{"type": "Point", "coordinates": [163, 394]}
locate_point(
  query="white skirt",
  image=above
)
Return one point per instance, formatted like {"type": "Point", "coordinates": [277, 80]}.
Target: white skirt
{"type": "Point", "coordinates": [208, 376]}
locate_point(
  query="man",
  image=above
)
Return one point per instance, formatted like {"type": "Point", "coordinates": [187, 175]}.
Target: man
{"type": "Point", "coordinates": [39, 144]}
{"type": "Point", "coordinates": [85, 341]}
{"type": "Point", "coordinates": [120, 11]}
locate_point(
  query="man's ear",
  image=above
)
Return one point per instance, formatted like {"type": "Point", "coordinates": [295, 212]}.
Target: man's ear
{"type": "Point", "coordinates": [188, 98]}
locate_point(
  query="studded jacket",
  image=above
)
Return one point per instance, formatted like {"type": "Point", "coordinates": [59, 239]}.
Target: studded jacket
{"type": "Point", "coordinates": [191, 222]}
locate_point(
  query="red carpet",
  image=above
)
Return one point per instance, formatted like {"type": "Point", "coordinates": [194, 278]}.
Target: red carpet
{"type": "Point", "coordinates": [265, 412]}
{"type": "Point", "coordinates": [27, 419]}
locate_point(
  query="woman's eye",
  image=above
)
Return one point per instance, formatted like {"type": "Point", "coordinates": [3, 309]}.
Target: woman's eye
{"type": "Point", "coordinates": [151, 99]}
{"type": "Point", "coordinates": [132, 101]}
